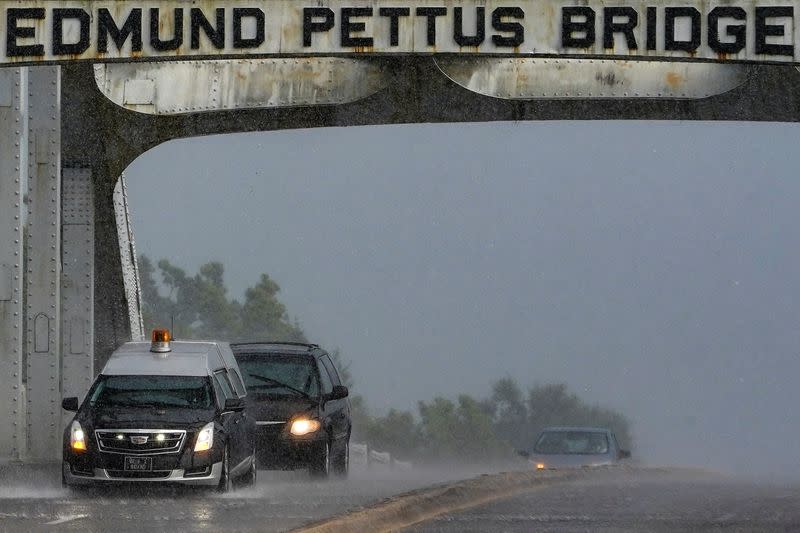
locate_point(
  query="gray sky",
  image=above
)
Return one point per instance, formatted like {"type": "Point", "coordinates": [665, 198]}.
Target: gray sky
{"type": "Point", "coordinates": [651, 266]}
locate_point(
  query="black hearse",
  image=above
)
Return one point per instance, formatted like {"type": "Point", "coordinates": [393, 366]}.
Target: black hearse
{"type": "Point", "coordinates": [162, 412]}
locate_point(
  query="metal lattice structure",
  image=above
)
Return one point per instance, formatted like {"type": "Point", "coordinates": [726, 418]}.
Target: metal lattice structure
{"type": "Point", "coordinates": [69, 288]}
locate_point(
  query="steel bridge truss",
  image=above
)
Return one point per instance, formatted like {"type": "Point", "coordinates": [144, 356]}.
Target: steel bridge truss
{"type": "Point", "coordinates": [68, 281]}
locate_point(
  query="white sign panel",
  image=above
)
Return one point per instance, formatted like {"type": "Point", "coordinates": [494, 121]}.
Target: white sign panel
{"type": "Point", "coordinates": [727, 30]}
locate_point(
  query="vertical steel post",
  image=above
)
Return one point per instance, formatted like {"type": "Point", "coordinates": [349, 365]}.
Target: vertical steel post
{"type": "Point", "coordinates": [77, 282]}
{"type": "Point", "coordinates": [43, 264]}
{"type": "Point", "coordinates": [128, 259]}
{"type": "Point", "coordinates": [13, 183]}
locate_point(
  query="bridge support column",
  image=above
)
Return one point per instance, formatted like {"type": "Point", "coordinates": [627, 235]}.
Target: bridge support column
{"type": "Point", "coordinates": [43, 264]}
{"type": "Point", "coordinates": [13, 184]}
{"type": "Point", "coordinates": [77, 283]}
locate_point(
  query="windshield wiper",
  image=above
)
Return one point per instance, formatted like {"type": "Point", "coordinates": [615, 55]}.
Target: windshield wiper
{"type": "Point", "coordinates": [275, 384]}
{"type": "Point", "coordinates": [141, 405]}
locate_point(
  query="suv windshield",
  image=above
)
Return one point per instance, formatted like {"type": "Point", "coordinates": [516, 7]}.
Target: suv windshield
{"type": "Point", "coordinates": [279, 374]}
{"type": "Point", "coordinates": [572, 442]}
{"type": "Point", "coordinates": [191, 392]}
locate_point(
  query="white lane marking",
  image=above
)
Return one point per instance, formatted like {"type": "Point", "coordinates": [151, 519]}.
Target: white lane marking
{"type": "Point", "coordinates": [68, 518]}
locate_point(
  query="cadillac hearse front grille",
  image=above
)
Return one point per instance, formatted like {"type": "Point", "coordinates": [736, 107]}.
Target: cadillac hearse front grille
{"type": "Point", "coordinates": [140, 441]}
{"type": "Point", "coordinates": [124, 474]}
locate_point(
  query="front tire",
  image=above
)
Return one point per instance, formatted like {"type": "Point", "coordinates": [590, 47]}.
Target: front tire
{"type": "Point", "coordinates": [64, 467]}
{"type": "Point", "coordinates": [341, 465]}
{"type": "Point", "coordinates": [321, 463]}
{"type": "Point", "coordinates": [225, 484]}
{"type": "Point", "coordinates": [250, 478]}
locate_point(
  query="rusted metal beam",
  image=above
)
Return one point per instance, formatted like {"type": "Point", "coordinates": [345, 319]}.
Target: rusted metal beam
{"type": "Point", "coordinates": [100, 133]}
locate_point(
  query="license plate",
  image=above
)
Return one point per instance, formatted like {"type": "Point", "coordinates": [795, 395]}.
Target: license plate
{"type": "Point", "coordinates": [138, 464]}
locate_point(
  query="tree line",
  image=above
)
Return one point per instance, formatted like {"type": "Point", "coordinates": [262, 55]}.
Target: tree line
{"type": "Point", "coordinates": [470, 429]}
{"type": "Point", "coordinates": [198, 306]}
{"type": "Point", "coordinates": [465, 429]}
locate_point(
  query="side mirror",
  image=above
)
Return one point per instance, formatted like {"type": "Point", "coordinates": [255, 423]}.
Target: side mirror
{"type": "Point", "coordinates": [70, 404]}
{"type": "Point", "coordinates": [338, 392]}
{"type": "Point", "coordinates": [233, 404]}
{"type": "Point", "coordinates": [523, 453]}
{"type": "Point", "coordinates": [624, 454]}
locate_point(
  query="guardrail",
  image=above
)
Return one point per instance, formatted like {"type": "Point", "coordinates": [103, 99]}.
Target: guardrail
{"type": "Point", "coordinates": [361, 455]}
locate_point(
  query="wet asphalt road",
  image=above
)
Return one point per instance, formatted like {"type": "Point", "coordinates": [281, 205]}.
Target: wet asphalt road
{"type": "Point", "coordinates": [625, 502]}
{"type": "Point", "coordinates": [280, 501]}
{"type": "Point", "coordinates": [667, 500]}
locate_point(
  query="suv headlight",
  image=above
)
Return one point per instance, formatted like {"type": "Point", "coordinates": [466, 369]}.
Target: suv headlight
{"type": "Point", "coordinates": [304, 426]}
{"type": "Point", "coordinates": [205, 438]}
{"type": "Point", "coordinates": [77, 439]}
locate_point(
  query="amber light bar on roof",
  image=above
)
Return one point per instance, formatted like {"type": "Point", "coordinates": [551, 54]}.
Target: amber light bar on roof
{"type": "Point", "coordinates": [160, 341]}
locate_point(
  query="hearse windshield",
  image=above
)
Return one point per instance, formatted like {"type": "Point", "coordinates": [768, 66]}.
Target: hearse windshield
{"type": "Point", "coordinates": [192, 392]}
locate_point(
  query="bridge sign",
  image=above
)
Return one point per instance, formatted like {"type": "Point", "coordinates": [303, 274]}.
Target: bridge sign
{"type": "Point", "coordinates": [728, 30]}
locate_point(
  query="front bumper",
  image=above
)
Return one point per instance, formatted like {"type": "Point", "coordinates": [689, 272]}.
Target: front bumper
{"type": "Point", "coordinates": [279, 450]}
{"type": "Point", "coordinates": [178, 476]}
{"type": "Point", "coordinates": [181, 466]}
{"type": "Point", "coordinates": [544, 465]}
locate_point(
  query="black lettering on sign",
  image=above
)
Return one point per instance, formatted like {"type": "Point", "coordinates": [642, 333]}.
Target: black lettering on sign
{"type": "Point", "coordinates": [239, 41]}
{"type": "Point", "coordinates": [737, 31]}
{"type": "Point", "coordinates": [569, 27]}
{"type": "Point", "coordinates": [177, 35]}
{"type": "Point", "coordinates": [348, 26]}
{"type": "Point", "coordinates": [431, 13]}
{"type": "Point", "coordinates": [651, 28]}
{"type": "Point", "coordinates": [59, 16]}
{"type": "Point", "coordinates": [215, 34]}
{"type": "Point", "coordinates": [672, 13]}
{"type": "Point", "coordinates": [625, 28]}
{"type": "Point", "coordinates": [764, 30]}
{"type": "Point", "coordinates": [106, 27]}
{"type": "Point", "coordinates": [480, 27]}
{"type": "Point", "coordinates": [499, 24]}
{"type": "Point", "coordinates": [14, 32]}
{"type": "Point", "coordinates": [394, 14]}
{"type": "Point", "coordinates": [309, 24]}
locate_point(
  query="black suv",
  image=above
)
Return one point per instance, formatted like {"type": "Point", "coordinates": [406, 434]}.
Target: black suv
{"type": "Point", "coordinates": [299, 404]}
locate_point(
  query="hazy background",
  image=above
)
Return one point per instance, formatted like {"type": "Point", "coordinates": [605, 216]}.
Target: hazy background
{"type": "Point", "coordinates": [651, 266]}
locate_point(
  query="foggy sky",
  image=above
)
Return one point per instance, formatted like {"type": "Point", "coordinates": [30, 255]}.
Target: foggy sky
{"type": "Point", "coordinates": [651, 266]}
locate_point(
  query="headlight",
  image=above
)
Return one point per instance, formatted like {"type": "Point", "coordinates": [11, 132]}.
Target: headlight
{"type": "Point", "coordinates": [205, 439]}
{"type": "Point", "coordinates": [304, 426]}
{"type": "Point", "coordinates": [77, 440]}
{"type": "Point", "coordinates": [540, 466]}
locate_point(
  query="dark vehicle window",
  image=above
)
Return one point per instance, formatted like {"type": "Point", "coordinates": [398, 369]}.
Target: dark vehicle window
{"type": "Point", "coordinates": [222, 380]}
{"type": "Point", "coordinates": [279, 375]}
{"type": "Point", "coordinates": [237, 382]}
{"type": "Point", "coordinates": [331, 369]}
{"type": "Point", "coordinates": [219, 393]}
{"type": "Point", "coordinates": [148, 391]}
{"type": "Point", "coordinates": [327, 384]}
{"type": "Point", "coordinates": [572, 442]}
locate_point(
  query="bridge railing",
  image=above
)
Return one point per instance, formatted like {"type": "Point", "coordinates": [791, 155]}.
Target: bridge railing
{"type": "Point", "coordinates": [364, 457]}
